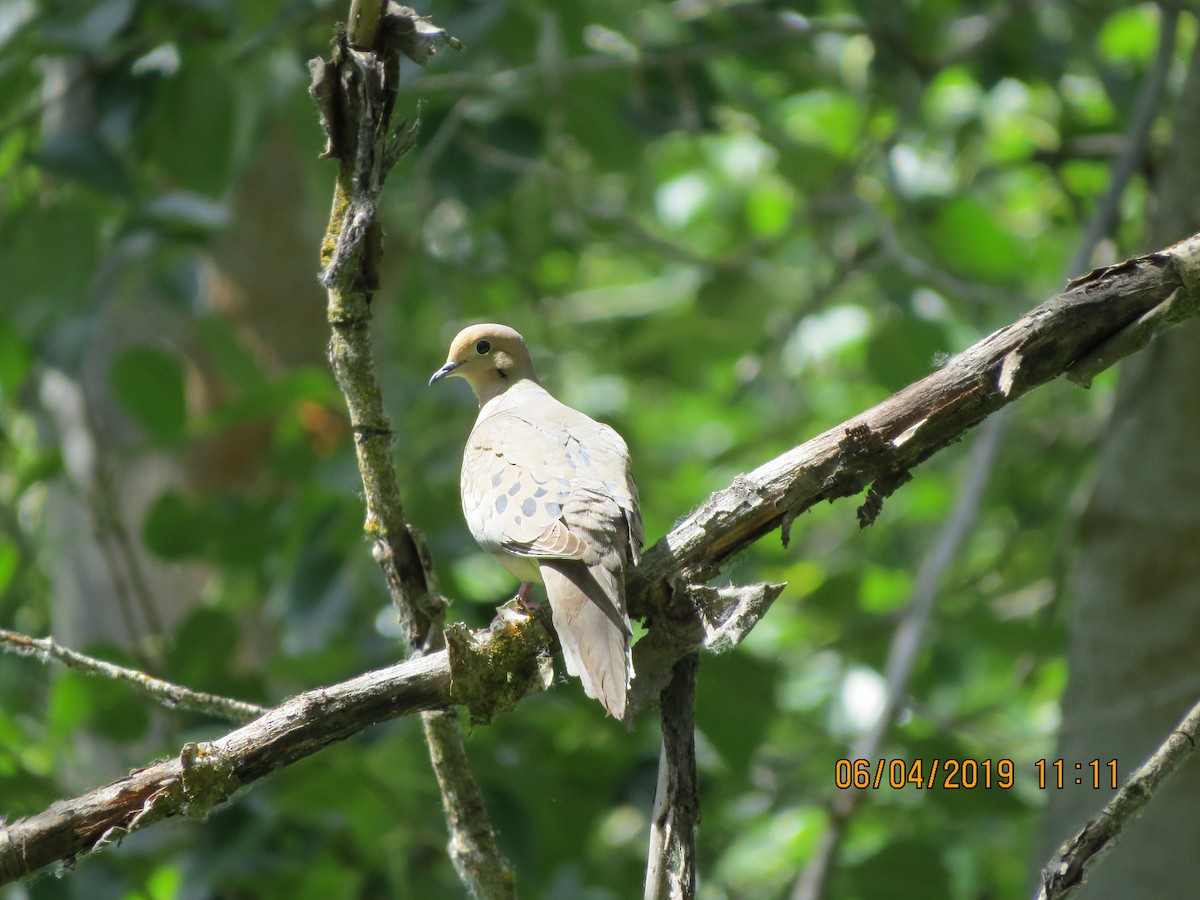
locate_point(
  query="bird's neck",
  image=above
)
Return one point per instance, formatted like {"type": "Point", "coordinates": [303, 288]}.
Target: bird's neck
{"type": "Point", "coordinates": [504, 382]}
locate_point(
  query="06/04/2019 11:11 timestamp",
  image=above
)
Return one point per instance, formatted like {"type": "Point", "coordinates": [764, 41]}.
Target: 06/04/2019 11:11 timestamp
{"type": "Point", "coordinates": [969, 774]}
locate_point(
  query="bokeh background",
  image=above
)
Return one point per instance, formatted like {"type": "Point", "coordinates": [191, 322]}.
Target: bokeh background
{"type": "Point", "coordinates": [724, 227]}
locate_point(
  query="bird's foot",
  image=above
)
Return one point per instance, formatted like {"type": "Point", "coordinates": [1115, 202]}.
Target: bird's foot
{"type": "Point", "coordinates": [524, 597]}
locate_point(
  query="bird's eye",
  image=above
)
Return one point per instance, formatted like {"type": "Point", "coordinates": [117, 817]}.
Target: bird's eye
{"type": "Point", "coordinates": [482, 347]}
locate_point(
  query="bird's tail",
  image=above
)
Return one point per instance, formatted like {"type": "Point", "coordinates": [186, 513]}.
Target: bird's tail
{"type": "Point", "coordinates": [588, 607]}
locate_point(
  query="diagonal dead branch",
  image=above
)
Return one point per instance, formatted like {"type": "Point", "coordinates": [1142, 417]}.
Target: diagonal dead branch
{"type": "Point", "coordinates": [1068, 869]}
{"type": "Point", "coordinates": [880, 447]}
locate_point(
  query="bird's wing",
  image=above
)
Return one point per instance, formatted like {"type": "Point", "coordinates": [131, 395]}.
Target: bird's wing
{"type": "Point", "coordinates": [515, 484]}
{"type": "Point", "coordinates": [538, 475]}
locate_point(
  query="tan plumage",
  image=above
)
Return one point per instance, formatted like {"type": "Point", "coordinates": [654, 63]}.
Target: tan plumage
{"type": "Point", "coordinates": [548, 492]}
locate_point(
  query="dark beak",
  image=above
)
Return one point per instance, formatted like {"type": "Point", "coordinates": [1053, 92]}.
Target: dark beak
{"type": "Point", "coordinates": [443, 372]}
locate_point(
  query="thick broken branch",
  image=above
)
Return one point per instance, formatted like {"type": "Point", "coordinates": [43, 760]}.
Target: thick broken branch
{"type": "Point", "coordinates": [878, 447]}
{"type": "Point", "coordinates": [877, 450]}
{"type": "Point", "coordinates": [698, 618]}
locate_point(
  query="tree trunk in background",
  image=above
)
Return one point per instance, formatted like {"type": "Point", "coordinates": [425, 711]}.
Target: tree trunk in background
{"type": "Point", "coordinates": [258, 280]}
{"type": "Point", "coordinates": [1134, 587]}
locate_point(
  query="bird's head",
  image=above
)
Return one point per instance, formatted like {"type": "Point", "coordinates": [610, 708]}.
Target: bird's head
{"type": "Point", "coordinates": [490, 357]}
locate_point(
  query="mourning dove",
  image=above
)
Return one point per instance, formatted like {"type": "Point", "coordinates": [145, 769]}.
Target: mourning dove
{"type": "Point", "coordinates": [548, 492]}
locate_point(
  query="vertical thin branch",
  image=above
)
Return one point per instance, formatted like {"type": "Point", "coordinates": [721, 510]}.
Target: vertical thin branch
{"type": "Point", "coordinates": [356, 92]}
{"type": "Point", "coordinates": [353, 92]}
{"type": "Point", "coordinates": [473, 848]}
{"type": "Point", "coordinates": [671, 866]}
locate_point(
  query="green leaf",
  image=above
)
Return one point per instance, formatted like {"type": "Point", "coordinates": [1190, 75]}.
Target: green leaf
{"type": "Point", "coordinates": [86, 158]}
{"type": "Point", "coordinates": [885, 590]}
{"type": "Point", "coordinates": [904, 349]}
{"type": "Point", "coordinates": [734, 727]}
{"type": "Point", "coordinates": [1129, 36]}
{"type": "Point", "coordinates": [48, 262]}
{"type": "Point", "coordinates": [762, 858]}
{"type": "Point", "coordinates": [165, 884]}
{"type": "Point", "coordinates": [173, 528]}
{"type": "Point", "coordinates": [769, 208]}
{"type": "Point", "coordinates": [826, 119]}
{"type": "Point", "coordinates": [967, 235]}
{"type": "Point", "coordinates": [192, 126]}
{"type": "Point", "coordinates": [14, 359]}
{"type": "Point", "coordinates": [227, 529]}
{"type": "Point", "coordinates": [917, 865]}
{"type": "Point", "coordinates": [149, 384]}
{"type": "Point", "coordinates": [109, 708]}
{"type": "Point", "coordinates": [203, 649]}
{"type": "Point", "coordinates": [67, 709]}
{"type": "Point", "coordinates": [8, 561]}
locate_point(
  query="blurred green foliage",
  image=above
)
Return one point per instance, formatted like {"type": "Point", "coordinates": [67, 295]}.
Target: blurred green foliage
{"type": "Point", "coordinates": [723, 227]}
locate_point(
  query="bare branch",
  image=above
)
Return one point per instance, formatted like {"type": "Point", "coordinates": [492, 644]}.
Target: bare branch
{"type": "Point", "coordinates": [208, 774]}
{"type": "Point", "coordinates": [1067, 870]}
{"type": "Point", "coordinates": [473, 848]}
{"type": "Point", "coordinates": [698, 618]}
{"type": "Point", "coordinates": [877, 450]}
{"type": "Point", "coordinates": [356, 93]}
{"type": "Point", "coordinates": [171, 695]}
{"type": "Point", "coordinates": [671, 863]}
